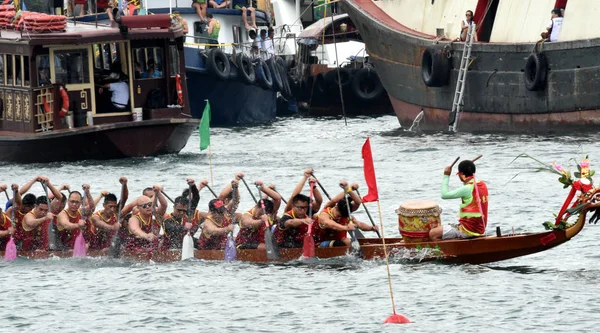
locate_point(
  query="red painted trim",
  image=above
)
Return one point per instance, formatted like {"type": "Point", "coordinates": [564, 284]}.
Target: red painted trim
{"type": "Point", "coordinates": [369, 7]}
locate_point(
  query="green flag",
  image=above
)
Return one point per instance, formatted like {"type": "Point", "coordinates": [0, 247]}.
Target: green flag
{"type": "Point", "coordinates": [204, 127]}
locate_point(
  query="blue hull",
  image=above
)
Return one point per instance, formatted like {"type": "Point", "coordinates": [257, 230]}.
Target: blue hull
{"type": "Point", "coordinates": [232, 102]}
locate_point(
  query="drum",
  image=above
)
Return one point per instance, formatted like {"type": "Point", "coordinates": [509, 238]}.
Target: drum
{"type": "Point", "coordinates": [416, 218]}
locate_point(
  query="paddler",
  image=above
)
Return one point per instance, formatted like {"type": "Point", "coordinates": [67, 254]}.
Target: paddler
{"type": "Point", "coordinates": [197, 215]}
{"type": "Point", "coordinates": [177, 224]}
{"type": "Point", "coordinates": [143, 226]}
{"type": "Point", "coordinates": [294, 223]}
{"type": "Point", "coordinates": [72, 220]}
{"type": "Point", "coordinates": [33, 229]}
{"type": "Point", "coordinates": [104, 222]}
{"type": "Point", "coordinates": [333, 222]}
{"type": "Point", "coordinates": [254, 221]}
{"type": "Point", "coordinates": [219, 222]}
{"type": "Point", "coordinates": [6, 228]}
{"type": "Point", "coordinates": [473, 213]}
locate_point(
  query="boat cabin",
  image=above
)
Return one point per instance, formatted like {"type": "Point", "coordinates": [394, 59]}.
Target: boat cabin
{"type": "Point", "coordinates": [52, 71]}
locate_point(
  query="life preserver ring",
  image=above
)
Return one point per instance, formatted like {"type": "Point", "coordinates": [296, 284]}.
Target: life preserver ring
{"type": "Point", "coordinates": [263, 74]}
{"type": "Point", "coordinates": [46, 106]}
{"type": "Point", "coordinates": [278, 84]}
{"type": "Point", "coordinates": [179, 89]}
{"type": "Point", "coordinates": [65, 102]}
{"type": "Point", "coordinates": [435, 67]}
{"type": "Point", "coordinates": [245, 69]}
{"type": "Point", "coordinates": [218, 63]}
{"type": "Point", "coordinates": [536, 72]}
{"type": "Point", "coordinates": [366, 85]}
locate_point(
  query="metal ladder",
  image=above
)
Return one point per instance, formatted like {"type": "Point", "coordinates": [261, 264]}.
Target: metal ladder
{"type": "Point", "coordinates": [457, 104]}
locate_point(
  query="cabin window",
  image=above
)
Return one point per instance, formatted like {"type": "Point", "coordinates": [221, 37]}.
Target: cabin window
{"type": "Point", "coordinates": [2, 69]}
{"type": "Point", "coordinates": [42, 63]}
{"type": "Point", "coordinates": [26, 82]}
{"type": "Point", "coordinates": [71, 66]}
{"type": "Point", "coordinates": [174, 60]}
{"type": "Point", "coordinates": [9, 69]}
{"type": "Point", "coordinates": [148, 62]}
{"type": "Point", "coordinates": [18, 71]}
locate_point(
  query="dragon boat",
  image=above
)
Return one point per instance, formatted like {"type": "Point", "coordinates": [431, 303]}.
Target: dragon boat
{"type": "Point", "coordinates": [414, 224]}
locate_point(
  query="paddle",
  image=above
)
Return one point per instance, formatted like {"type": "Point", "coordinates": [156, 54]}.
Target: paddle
{"type": "Point", "coordinates": [270, 244]}
{"type": "Point", "coordinates": [282, 199]}
{"type": "Point", "coordinates": [53, 239]}
{"type": "Point", "coordinates": [187, 246]}
{"type": "Point", "coordinates": [10, 253]}
{"type": "Point", "coordinates": [79, 249]}
{"type": "Point", "coordinates": [248, 188]}
{"type": "Point", "coordinates": [167, 196]}
{"type": "Point", "coordinates": [230, 250]}
{"type": "Point", "coordinates": [308, 247]}
{"type": "Point", "coordinates": [358, 233]}
{"type": "Point", "coordinates": [354, 243]}
{"type": "Point", "coordinates": [368, 214]}
{"type": "Point", "coordinates": [211, 191]}
{"type": "Point", "coordinates": [154, 220]}
{"type": "Point", "coordinates": [115, 243]}
{"type": "Point", "coordinates": [456, 160]}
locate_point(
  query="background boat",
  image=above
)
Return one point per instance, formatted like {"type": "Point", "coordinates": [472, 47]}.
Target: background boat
{"type": "Point", "coordinates": [514, 83]}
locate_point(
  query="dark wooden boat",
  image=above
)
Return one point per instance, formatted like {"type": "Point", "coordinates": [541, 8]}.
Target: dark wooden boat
{"type": "Point", "coordinates": [475, 251]}
{"type": "Point", "coordinates": [45, 72]}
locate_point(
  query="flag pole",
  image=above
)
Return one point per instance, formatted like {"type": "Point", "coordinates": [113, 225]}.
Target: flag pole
{"type": "Point", "coordinates": [210, 166]}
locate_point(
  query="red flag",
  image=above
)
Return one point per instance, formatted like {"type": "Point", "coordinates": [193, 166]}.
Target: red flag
{"type": "Point", "coordinates": [369, 169]}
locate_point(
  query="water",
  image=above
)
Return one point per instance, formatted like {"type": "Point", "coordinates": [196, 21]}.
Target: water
{"type": "Point", "coordinates": [549, 291]}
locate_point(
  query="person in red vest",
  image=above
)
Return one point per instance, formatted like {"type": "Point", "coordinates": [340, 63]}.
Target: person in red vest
{"type": "Point", "coordinates": [217, 225]}
{"type": "Point", "coordinates": [34, 226]}
{"type": "Point", "coordinates": [177, 224]}
{"type": "Point", "coordinates": [73, 219]}
{"type": "Point", "coordinates": [473, 209]}
{"type": "Point", "coordinates": [333, 223]}
{"type": "Point", "coordinates": [254, 221]}
{"type": "Point", "coordinates": [6, 228]}
{"type": "Point", "coordinates": [143, 226]}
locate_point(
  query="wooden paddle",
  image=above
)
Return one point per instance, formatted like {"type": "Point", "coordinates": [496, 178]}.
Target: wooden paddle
{"type": "Point", "coordinates": [53, 239]}
{"type": "Point", "coordinates": [354, 241]}
{"type": "Point", "coordinates": [153, 220]}
{"type": "Point", "coordinates": [270, 244]}
{"type": "Point", "coordinates": [476, 158]}
{"type": "Point", "coordinates": [456, 160]}
{"type": "Point", "coordinates": [230, 250]}
{"type": "Point", "coordinates": [282, 199]}
{"type": "Point", "coordinates": [308, 247]}
{"type": "Point", "coordinates": [211, 191]}
{"type": "Point", "coordinates": [368, 214]}
{"type": "Point", "coordinates": [10, 253]}
{"type": "Point", "coordinates": [115, 243]}
{"type": "Point", "coordinates": [249, 191]}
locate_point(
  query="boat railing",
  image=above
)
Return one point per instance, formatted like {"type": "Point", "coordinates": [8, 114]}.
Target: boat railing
{"type": "Point", "coordinates": [228, 48]}
{"type": "Point", "coordinates": [44, 108]}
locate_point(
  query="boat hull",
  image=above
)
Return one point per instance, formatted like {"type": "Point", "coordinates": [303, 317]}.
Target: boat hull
{"type": "Point", "coordinates": [99, 142]}
{"type": "Point", "coordinates": [496, 98]}
{"type": "Point", "coordinates": [472, 251]}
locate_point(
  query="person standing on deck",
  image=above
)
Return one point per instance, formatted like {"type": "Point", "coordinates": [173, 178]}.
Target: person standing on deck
{"type": "Point", "coordinates": [473, 209]}
{"type": "Point", "coordinates": [141, 230]}
{"type": "Point", "coordinates": [333, 222]}
{"type": "Point", "coordinates": [72, 220]}
{"type": "Point", "coordinates": [213, 29]}
{"type": "Point", "coordinates": [254, 221]}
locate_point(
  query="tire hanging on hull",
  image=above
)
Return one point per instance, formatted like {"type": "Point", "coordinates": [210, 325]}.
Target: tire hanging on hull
{"type": "Point", "coordinates": [435, 67]}
{"type": "Point", "coordinates": [536, 72]}
{"type": "Point", "coordinates": [218, 64]}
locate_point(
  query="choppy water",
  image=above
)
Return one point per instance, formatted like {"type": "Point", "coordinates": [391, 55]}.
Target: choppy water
{"type": "Point", "coordinates": [551, 291]}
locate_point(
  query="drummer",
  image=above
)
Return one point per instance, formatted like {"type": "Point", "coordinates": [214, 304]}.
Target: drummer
{"type": "Point", "coordinates": [473, 213]}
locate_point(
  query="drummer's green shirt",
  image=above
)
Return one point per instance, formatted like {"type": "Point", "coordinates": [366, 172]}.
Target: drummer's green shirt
{"type": "Point", "coordinates": [464, 192]}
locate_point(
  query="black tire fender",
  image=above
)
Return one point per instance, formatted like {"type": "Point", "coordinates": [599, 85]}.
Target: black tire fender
{"type": "Point", "coordinates": [218, 64]}
{"type": "Point", "coordinates": [435, 67]}
{"type": "Point", "coordinates": [245, 69]}
{"type": "Point", "coordinates": [536, 72]}
{"type": "Point", "coordinates": [366, 85]}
